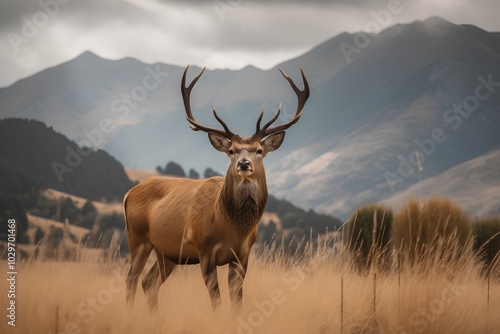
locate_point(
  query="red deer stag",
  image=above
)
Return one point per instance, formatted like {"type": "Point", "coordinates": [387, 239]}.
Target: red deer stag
{"type": "Point", "coordinates": [213, 221]}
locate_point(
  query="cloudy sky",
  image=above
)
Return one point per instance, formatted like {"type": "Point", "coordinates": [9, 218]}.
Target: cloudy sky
{"type": "Point", "coordinates": [36, 34]}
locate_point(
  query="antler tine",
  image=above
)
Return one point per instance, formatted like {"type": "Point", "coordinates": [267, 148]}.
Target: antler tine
{"type": "Point", "coordinates": [186, 91]}
{"type": "Point", "coordinates": [194, 125]}
{"type": "Point", "coordinates": [302, 96]}
{"type": "Point", "coordinates": [268, 124]}
{"type": "Point", "coordinates": [257, 128]}
{"type": "Point", "coordinates": [226, 128]}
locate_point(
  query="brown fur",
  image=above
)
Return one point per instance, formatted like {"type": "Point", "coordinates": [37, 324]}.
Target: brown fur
{"type": "Point", "coordinates": [212, 222]}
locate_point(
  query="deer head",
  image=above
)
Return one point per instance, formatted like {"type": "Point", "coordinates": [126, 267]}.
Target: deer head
{"type": "Point", "coordinates": [246, 153]}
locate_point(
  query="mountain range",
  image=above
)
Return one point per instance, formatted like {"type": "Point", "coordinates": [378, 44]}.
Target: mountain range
{"type": "Point", "coordinates": [387, 112]}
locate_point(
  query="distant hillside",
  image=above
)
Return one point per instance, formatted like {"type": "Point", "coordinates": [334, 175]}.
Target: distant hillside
{"type": "Point", "coordinates": [474, 184]}
{"type": "Point", "coordinates": [31, 148]}
{"type": "Point", "coordinates": [376, 101]}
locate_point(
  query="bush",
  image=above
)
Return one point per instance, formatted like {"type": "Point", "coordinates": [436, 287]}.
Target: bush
{"type": "Point", "coordinates": [172, 169]}
{"type": "Point", "coordinates": [12, 207]}
{"type": "Point", "coordinates": [423, 230]}
{"type": "Point", "coordinates": [112, 220]}
{"type": "Point", "coordinates": [44, 207]}
{"type": "Point", "coordinates": [68, 210]}
{"type": "Point", "coordinates": [193, 174]}
{"type": "Point", "coordinates": [267, 232]}
{"type": "Point", "coordinates": [88, 207]}
{"type": "Point", "coordinates": [289, 220]}
{"type": "Point", "coordinates": [87, 220]}
{"type": "Point", "coordinates": [369, 234]}
{"type": "Point", "coordinates": [487, 238]}
{"type": "Point", "coordinates": [209, 172]}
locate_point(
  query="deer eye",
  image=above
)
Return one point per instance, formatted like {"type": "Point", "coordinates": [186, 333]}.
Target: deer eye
{"type": "Point", "coordinates": [259, 151]}
{"type": "Point", "coordinates": [231, 152]}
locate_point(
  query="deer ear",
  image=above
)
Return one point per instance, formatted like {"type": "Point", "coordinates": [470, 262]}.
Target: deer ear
{"type": "Point", "coordinates": [219, 142]}
{"type": "Point", "coordinates": [273, 142]}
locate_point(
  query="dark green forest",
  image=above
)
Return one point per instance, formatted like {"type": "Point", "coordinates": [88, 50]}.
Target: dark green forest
{"type": "Point", "coordinates": [32, 149]}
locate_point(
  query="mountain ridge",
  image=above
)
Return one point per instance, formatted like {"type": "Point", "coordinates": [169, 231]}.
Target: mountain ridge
{"type": "Point", "coordinates": [57, 163]}
{"type": "Point", "coordinates": [363, 117]}
{"type": "Point", "coordinates": [472, 183]}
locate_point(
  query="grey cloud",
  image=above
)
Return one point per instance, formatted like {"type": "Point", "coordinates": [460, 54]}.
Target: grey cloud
{"type": "Point", "coordinates": [12, 11]}
{"type": "Point", "coordinates": [85, 13]}
{"type": "Point", "coordinates": [282, 2]}
{"type": "Point", "coordinates": [258, 32]}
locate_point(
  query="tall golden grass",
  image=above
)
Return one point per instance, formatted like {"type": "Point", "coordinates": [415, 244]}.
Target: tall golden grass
{"type": "Point", "coordinates": [420, 229]}
{"type": "Point", "coordinates": [317, 291]}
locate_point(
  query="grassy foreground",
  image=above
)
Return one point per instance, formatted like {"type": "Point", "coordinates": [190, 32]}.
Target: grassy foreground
{"type": "Point", "coordinates": [321, 293]}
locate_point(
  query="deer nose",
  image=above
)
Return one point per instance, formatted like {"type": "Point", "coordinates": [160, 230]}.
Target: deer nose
{"type": "Point", "coordinates": [243, 165]}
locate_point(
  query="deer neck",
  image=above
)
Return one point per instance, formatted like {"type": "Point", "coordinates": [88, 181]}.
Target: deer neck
{"type": "Point", "coordinates": [243, 200]}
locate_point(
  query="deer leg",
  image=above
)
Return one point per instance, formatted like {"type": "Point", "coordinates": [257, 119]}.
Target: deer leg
{"type": "Point", "coordinates": [151, 283]}
{"type": "Point", "coordinates": [139, 253]}
{"type": "Point", "coordinates": [209, 272]}
{"type": "Point", "coordinates": [236, 276]}
{"type": "Point", "coordinates": [151, 280]}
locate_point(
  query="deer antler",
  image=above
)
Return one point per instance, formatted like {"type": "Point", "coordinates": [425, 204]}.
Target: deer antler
{"type": "Point", "coordinates": [302, 96]}
{"type": "Point", "coordinates": [186, 93]}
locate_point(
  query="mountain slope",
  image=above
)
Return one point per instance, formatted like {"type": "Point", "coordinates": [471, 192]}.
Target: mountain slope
{"type": "Point", "coordinates": [402, 91]}
{"type": "Point", "coordinates": [474, 184]}
{"type": "Point", "coordinates": [411, 88]}
{"type": "Point", "coordinates": [56, 162]}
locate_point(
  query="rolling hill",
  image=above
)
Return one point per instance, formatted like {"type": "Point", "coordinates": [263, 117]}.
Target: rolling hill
{"type": "Point", "coordinates": [58, 163]}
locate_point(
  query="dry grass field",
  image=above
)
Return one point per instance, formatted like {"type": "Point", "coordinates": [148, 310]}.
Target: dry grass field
{"type": "Point", "coordinates": [317, 293]}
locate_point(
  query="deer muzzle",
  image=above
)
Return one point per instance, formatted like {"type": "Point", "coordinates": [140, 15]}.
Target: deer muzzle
{"type": "Point", "coordinates": [244, 167]}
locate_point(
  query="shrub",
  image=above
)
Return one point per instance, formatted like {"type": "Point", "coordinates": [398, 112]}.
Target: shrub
{"type": "Point", "coordinates": [267, 233]}
{"type": "Point", "coordinates": [487, 238]}
{"type": "Point", "coordinates": [88, 207]}
{"type": "Point", "coordinates": [45, 207]}
{"type": "Point", "coordinates": [12, 207]}
{"type": "Point", "coordinates": [426, 230]}
{"type": "Point", "coordinates": [112, 220]}
{"type": "Point", "coordinates": [369, 234]}
{"type": "Point", "coordinates": [193, 174]}
{"type": "Point", "coordinates": [289, 220]}
{"type": "Point", "coordinates": [172, 169]}
{"type": "Point", "coordinates": [68, 210]}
